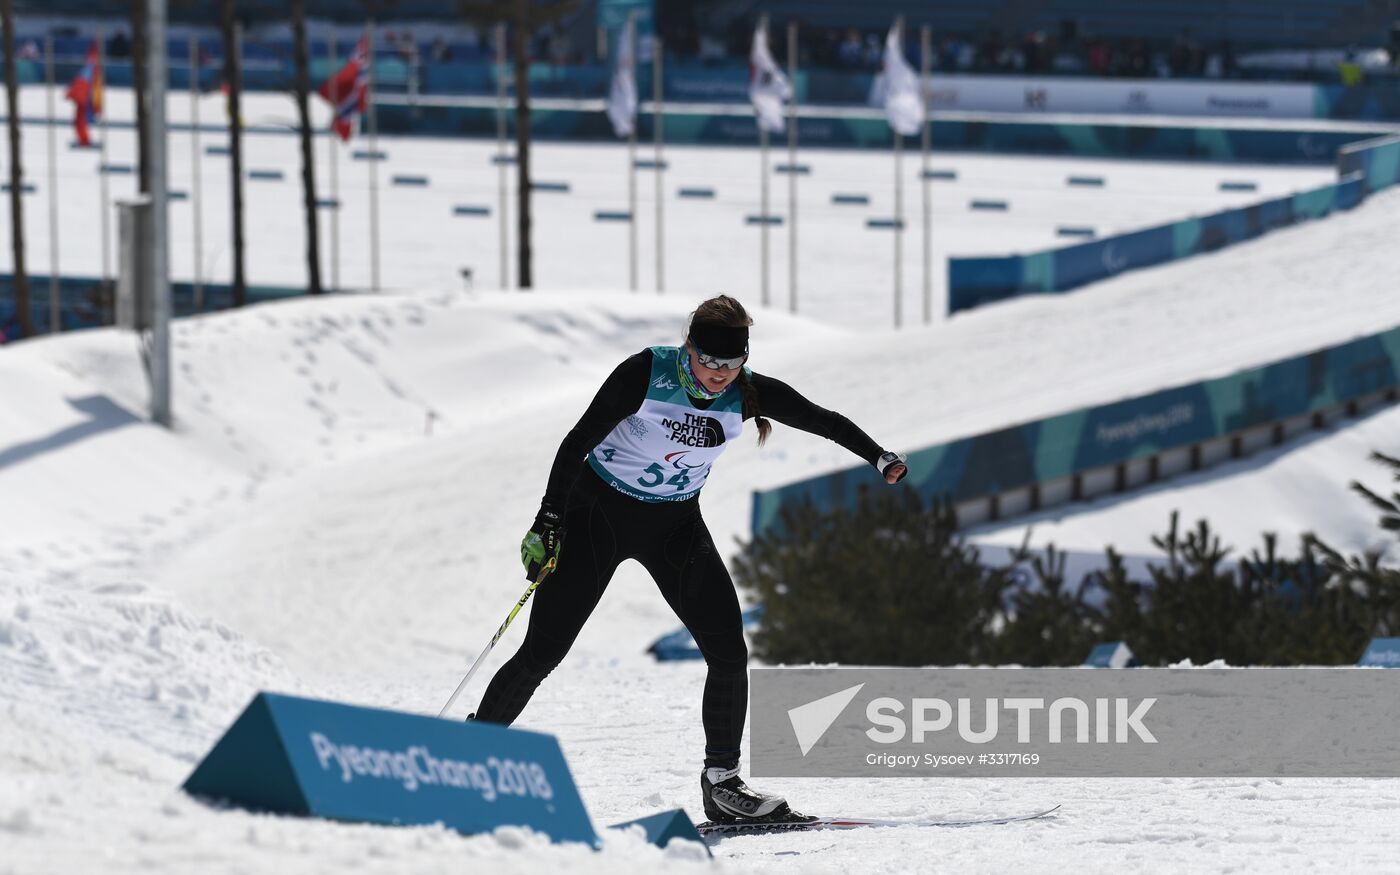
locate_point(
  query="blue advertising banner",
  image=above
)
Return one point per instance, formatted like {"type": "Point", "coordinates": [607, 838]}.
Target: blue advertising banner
{"type": "Point", "coordinates": [1363, 167]}
{"type": "Point", "coordinates": [718, 123]}
{"type": "Point", "coordinates": [1377, 160]}
{"type": "Point", "coordinates": [973, 282]}
{"type": "Point", "coordinates": [87, 302]}
{"type": "Point", "coordinates": [1121, 431]}
{"type": "Point", "coordinates": [325, 759]}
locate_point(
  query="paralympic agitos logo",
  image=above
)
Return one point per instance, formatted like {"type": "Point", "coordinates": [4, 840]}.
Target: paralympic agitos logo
{"type": "Point", "coordinates": [695, 430]}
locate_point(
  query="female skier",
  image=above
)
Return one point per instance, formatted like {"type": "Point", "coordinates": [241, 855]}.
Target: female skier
{"type": "Point", "coordinates": [648, 438]}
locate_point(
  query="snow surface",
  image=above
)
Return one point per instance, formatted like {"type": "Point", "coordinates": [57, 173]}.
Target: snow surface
{"type": "Point", "coordinates": [336, 514]}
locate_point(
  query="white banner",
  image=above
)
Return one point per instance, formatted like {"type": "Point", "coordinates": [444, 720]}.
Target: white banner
{"type": "Point", "coordinates": [1110, 96]}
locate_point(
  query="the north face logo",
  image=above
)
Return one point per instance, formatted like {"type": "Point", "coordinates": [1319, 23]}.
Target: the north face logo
{"type": "Point", "coordinates": [695, 430]}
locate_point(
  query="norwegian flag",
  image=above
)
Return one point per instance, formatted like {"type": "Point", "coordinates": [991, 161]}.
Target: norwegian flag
{"type": "Point", "coordinates": [348, 90]}
{"type": "Point", "coordinates": [86, 93]}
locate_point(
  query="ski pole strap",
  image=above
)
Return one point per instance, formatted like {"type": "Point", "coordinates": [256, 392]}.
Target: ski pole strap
{"type": "Point", "coordinates": [544, 572]}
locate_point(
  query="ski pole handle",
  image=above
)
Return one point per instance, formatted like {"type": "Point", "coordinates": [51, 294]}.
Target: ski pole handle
{"type": "Point", "coordinates": [529, 591]}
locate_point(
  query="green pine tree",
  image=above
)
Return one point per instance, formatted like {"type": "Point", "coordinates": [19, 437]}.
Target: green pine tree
{"type": "Point", "coordinates": [1047, 623]}
{"type": "Point", "coordinates": [888, 583]}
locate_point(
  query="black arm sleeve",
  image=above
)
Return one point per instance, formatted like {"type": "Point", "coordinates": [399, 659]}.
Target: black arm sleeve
{"type": "Point", "coordinates": [780, 401]}
{"type": "Point", "coordinates": [619, 397]}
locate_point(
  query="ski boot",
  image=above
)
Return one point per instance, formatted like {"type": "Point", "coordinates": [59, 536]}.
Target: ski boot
{"type": "Point", "coordinates": [727, 799]}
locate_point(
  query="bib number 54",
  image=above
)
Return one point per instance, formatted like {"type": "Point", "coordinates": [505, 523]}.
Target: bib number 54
{"type": "Point", "coordinates": [654, 470]}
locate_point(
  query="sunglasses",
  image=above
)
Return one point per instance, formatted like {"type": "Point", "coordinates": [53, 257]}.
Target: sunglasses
{"type": "Point", "coordinates": [716, 363]}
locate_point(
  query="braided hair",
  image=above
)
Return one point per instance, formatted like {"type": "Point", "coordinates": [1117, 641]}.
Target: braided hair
{"type": "Point", "coordinates": [726, 312]}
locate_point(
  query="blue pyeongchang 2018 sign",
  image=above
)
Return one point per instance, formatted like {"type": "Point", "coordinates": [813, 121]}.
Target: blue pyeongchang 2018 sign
{"type": "Point", "coordinates": [303, 756]}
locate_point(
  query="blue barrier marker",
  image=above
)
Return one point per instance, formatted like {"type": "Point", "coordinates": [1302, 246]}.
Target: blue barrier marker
{"type": "Point", "coordinates": [177, 195]}
{"type": "Point", "coordinates": [1383, 652]}
{"type": "Point", "coordinates": [612, 216]}
{"type": "Point", "coordinates": [1074, 231]}
{"type": "Point", "coordinates": [857, 199]}
{"type": "Point", "coordinates": [418, 181]}
{"type": "Point", "coordinates": [328, 203]}
{"type": "Point", "coordinates": [1087, 181]}
{"type": "Point", "coordinates": [116, 168]}
{"type": "Point", "coordinates": [469, 210]}
{"type": "Point", "coordinates": [502, 159]}
{"type": "Point", "coordinates": [661, 828]}
{"type": "Point", "coordinates": [367, 155]}
{"type": "Point", "coordinates": [269, 175]}
{"type": "Point", "coordinates": [884, 223]}
{"type": "Point", "coordinates": [290, 755]}
{"type": "Point", "coordinates": [25, 188]}
{"type": "Point", "coordinates": [680, 645]}
{"type": "Point", "coordinates": [650, 164]}
{"type": "Point", "coordinates": [698, 192]}
{"type": "Point", "coordinates": [799, 169]}
{"type": "Point", "coordinates": [989, 205]}
{"type": "Point", "coordinates": [216, 150]}
{"type": "Point", "coordinates": [1239, 186]}
{"type": "Point", "coordinates": [1114, 654]}
{"type": "Point", "coordinates": [941, 174]}
{"type": "Point", "coordinates": [763, 220]}
{"type": "Point", "coordinates": [551, 186]}
{"type": "Point", "coordinates": [74, 144]}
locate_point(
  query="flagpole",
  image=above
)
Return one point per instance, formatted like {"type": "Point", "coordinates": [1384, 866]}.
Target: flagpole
{"type": "Point", "coordinates": [632, 165]}
{"type": "Point", "coordinates": [196, 183]}
{"type": "Point", "coordinates": [373, 159]}
{"type": "Point", "coordinates": [157, 56]}
{"type": "Point", "coordinates": [926, 55]}
{"type": "Point", "coordinates": [763, 187]}
{"type": "Point", "coordinates": [502, 194]}
{"type": "Point", "coordinates": [105, 196]}
{"type": "Point", "coordinates": [763, 206]}
{"type": "Point", "coordinates": [657, 57]}
{"type": "Point", "coordinates": [898, 197]}
{"type": "Point", "coordinates": [898, 225]}
{"type": "Point", "coordinates": [792, 168]}
{"type": "Point", "coordinates": [55, 322]}
{"type": "Point", "coordinates": [333, 78]}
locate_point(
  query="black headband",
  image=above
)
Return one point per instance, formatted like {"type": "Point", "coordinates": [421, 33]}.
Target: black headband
{"type": "Point", "coordinates": [720, 340]}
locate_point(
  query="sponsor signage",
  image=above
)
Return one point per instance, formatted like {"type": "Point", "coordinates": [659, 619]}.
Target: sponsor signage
{"type": "Point", "coordinates": [325, 759]}
{"type": "Point", "coordinates": [1108, 96]}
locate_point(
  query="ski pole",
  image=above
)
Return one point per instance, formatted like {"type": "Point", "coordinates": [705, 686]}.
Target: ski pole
{"type": "Point", "coordinates": [544, 572]}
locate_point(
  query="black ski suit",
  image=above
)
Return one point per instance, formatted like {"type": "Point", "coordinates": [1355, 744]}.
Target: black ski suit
{"type": "Point", "coordinates": [603, 527]}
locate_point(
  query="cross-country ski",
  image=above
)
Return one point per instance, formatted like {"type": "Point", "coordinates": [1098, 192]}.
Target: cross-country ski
{"type": "Point", "coordinates": [715, 831]}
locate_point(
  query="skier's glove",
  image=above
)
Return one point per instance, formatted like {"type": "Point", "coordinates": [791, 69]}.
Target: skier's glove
{"type": "Point", "coordinates": [543, 542]}
{"type": "Point", "coordinates": [892, 464]}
